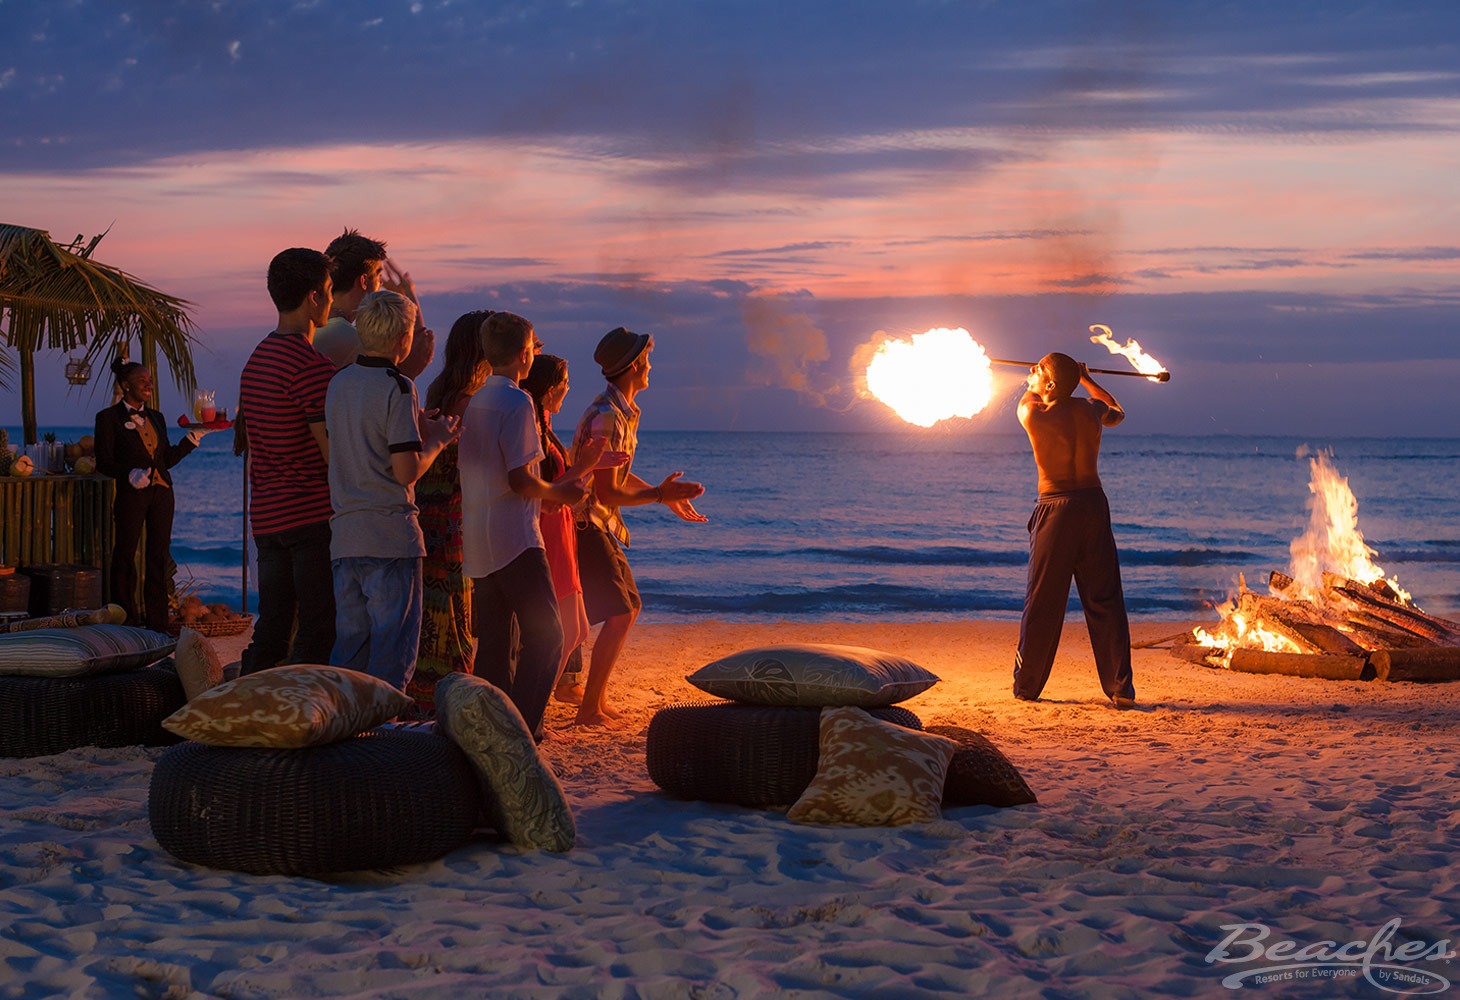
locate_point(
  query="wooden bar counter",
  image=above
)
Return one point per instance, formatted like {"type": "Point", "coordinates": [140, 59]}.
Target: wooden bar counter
{"type": "Point", "coordinates": [57, 519]}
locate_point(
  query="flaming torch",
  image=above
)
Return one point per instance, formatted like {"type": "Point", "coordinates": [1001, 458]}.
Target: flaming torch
{"type": "Point", "coordinates": [1144, 363]}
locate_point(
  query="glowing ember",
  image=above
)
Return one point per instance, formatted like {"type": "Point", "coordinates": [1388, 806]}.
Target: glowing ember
{"type": "Point", "coordinates": [1238, 629]}
{"type": "Point", "coordinates": [1143, 362]}
{"type": "Point", "coordinates": [936, 375]}
{"type": "Point", "coordinates": [1333, 542]}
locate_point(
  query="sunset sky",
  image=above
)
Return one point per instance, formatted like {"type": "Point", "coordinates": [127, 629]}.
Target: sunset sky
{"type": "Point", "coordinates": [1263, 194]}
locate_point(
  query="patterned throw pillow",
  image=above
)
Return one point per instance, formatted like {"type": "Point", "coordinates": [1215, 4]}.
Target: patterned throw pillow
{"type": "Point", "coordinates": [813, 675]}
{"type": "Point", "coordinates": [980, 774]}
{"type": "Point", "coordinates": [296, 706]}
{"type": "Point", "coordinates": [527, 803]}
{"type": "Point", "coordinates": [874, 773]}
{"type": "Point", "coordinates": [80, 651]}
{"type": "Point", "coordinates": [197, 662]}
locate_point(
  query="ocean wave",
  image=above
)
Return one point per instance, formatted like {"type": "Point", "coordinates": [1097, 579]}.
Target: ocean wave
{"type": "Point", "coordinates": [207, 555]}
{"type": "Point", "coordinates": [957, 555]}
{"type": "Point", "coordinates": [1447, 554]}
{"type": "Point", "coordinates": [859, 598]}
{"type": "Point", "coordinates": [872, 599]}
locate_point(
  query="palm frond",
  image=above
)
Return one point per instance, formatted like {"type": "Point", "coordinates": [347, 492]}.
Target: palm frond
{"type": "Point", "coordinates": [54, 296]}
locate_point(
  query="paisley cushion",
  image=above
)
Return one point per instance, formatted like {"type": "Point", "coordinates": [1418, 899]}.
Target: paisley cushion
{"type": "Point", "coordinates": [530, 807]}
{"type": "Point", "coordinates": [302, 705]}
{"type": "Point", "coordinates": [80, 651]}
{"type": "Point", "coordinates": [874, 773]}
{"type": "Point", "coordinates": [815, 675]}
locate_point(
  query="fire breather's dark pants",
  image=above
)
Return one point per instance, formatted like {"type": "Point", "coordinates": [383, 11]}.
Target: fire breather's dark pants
{"type": "Point", "coordinates": [1070, 536]}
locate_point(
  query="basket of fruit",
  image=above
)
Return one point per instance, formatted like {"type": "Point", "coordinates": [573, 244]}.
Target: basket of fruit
{"type": "Point", "coordinates": [210, 619]}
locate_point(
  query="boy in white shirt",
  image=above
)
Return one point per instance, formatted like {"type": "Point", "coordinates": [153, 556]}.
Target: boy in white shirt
{"type": "Point", "coordinates": [502, 548]}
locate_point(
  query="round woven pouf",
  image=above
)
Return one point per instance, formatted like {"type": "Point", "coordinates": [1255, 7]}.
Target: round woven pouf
{"type": "Point", "coordinates": [751, 755]}
{"type": "Point", "coordinates": [383, 798]}
{"type": "Point", "coordinates": [45, 715]}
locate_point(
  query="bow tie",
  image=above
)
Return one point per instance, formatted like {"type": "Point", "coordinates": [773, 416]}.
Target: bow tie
{"type": "Point", "coordinates": [136, 413]}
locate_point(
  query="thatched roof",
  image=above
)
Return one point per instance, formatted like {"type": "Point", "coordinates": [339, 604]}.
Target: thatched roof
{"type": "Point", "coordinates": [53, 296]}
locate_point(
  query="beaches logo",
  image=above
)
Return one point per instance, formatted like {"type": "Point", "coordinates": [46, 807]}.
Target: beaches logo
{"type": "Point", "coordinates": [1377, 960]}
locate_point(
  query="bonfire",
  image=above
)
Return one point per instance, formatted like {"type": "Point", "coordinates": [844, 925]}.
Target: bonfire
{"type": "Point", "coordinates": [1334, 612]}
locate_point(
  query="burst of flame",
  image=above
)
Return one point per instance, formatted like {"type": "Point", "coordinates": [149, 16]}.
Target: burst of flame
{"type": "Point", "coordinates": [1333, 542]}
{"type": "Point", "coordinates": [1139, 359]}
{"type": "Point", "coordinates": [933, 376]}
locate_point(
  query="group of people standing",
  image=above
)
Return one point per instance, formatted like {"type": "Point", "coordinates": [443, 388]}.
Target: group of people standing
{"type": "Point", "coordinates": [391, 535]}
{"type": "Point", "coordinates": [411, 542]}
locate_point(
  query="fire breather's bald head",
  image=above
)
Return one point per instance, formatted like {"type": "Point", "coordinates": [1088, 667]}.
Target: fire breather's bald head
{"type": "Point", "coordinates": [1064, 372]}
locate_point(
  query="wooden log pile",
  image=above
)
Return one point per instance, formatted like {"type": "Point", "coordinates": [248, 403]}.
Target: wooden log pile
{"type": "Point", "coordinates": [1351, 631]}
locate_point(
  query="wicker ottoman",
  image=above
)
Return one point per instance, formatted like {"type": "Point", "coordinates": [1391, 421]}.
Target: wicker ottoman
{"type": "Point", "coordinates": [750, 755]}
{"type": "Point", "coordinates": [383, 798]}
{"type": "Point", "coordinates": [45, 715]}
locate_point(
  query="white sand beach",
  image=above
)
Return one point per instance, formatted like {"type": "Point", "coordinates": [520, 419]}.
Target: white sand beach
{"type": "Point", "coordinates": [1321, 810]}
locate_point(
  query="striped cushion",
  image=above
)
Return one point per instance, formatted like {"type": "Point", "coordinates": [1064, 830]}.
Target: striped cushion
{"type": "Point", "coordinates": [81, 651]}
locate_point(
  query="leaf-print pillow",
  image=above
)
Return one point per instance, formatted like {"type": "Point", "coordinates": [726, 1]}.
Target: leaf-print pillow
{"type": "Point", "coordinates": [302, 705]}
{"type": "Point", "coordinates": [874, 773]}
{"type": "Point", "coordinates": [523, 795]}
{"type": "Point", "coordinates": [813, 675]}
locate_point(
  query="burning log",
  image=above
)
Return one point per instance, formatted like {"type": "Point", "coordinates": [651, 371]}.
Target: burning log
{"type": "Point", "coordinates": [1376, 633]}
{"type": "Point", "coordinates": [1301, 623]}
{"type": "Point", "coordinates": [1432, 664]}
{"type": "Point", "coordinates": [1330, 666]}
{"type": "Point", "coordinates": [1194, 652]}
{"type": "Point", "coordinates": [1403, 616]}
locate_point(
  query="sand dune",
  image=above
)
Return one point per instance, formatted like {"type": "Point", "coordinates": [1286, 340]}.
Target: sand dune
{"type": "Point", "coordinates": [1320, 810]}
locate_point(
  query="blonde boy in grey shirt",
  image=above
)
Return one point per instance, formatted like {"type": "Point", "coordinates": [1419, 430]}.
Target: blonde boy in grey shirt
{"type": "Point", "coordinates": [380, 443]}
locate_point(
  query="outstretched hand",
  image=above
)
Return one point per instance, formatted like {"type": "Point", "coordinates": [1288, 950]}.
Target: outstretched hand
{"type": "Point", "coordinates": [685, 511]}
{"type": "Point", "coordinates": [673, 489]}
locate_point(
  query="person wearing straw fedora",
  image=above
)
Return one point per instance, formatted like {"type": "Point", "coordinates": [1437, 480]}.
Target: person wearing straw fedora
{"type": "Point", "coordinates": [609, 593]}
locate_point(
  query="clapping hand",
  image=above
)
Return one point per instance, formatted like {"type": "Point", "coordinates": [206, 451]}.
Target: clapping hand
{"type": "Point", "coordinates": [594, 454]}
{"type": "Point", "coordinates": [438, 428]}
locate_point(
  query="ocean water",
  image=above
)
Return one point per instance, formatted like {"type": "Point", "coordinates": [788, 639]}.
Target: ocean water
{"type": "Point", "coordinates": [920, 525]}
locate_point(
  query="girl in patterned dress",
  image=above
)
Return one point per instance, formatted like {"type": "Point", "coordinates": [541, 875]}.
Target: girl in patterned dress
{"type": "Point", "coordinates": [446, 630]}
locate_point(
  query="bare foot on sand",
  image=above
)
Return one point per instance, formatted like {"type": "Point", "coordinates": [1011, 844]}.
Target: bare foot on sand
{"type": "Point", "coordinates": [569, 694]}
{"type": "Point", "coordinates": [600, 719]}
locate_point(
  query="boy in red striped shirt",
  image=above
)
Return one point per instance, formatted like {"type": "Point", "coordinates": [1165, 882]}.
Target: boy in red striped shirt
{"type": "Point", "coordinates": [281, 395]}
